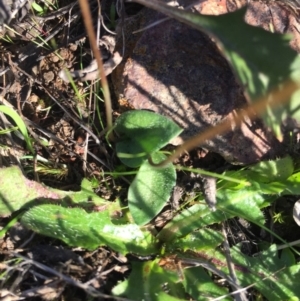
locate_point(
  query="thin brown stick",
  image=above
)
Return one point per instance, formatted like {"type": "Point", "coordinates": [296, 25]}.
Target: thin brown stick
{"type": "Point", "coordinates": [87, 18]}
{"type": "Point", "coordinates": [239, 296]}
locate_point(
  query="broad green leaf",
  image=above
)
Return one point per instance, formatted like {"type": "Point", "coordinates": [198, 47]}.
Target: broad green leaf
{"type": "Point", "coordinates": [19, 122]}
{"type": "Point", "coordinates": [200, 286]}
{"type": "Point", "coordinates": [29, 193]}
{"type": "Point", "coordinates": [274, 188]}
{"type": "Point", "coordinates": [281, 281]}
{"type": "Point", "coordinates": [250, 51]}
{"type": "Point", "coordinates": [150, 190]}
{"type": "Point", "coordinates": [78, 228]}
{"type": "Point", "coordinates": [149, 281]}
{"type": "Point", "coordinates": [244, 203]}
{"type": "Point", "coordinates": [254, 178]}
{"type": "Point", "coordinates": [275, 171]}
{"type": "Point", "coordinates": [131, 153]}
{"type": "Point", "coordinates": [271, 171]}
{"type": "Point", "coordinates": [288, 257]}
{"type": "Point", "coordinates": [188, 221]}
{"type": "Point", "coordinates": [197, 240]}
{"type": "Point", "coordinates": [292, 185]}
{"type": "Point", "coordinates": [142, 133]}
{"type": "Point", "coordinates": [271, 276]}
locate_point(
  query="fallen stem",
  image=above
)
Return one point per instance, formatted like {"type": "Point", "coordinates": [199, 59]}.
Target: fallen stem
{"type": "Point", "coordinates": [87, 18]}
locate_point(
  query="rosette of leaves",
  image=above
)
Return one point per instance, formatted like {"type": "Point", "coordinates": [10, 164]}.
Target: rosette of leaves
{"type": "Point", "coordinates": [141, 134]}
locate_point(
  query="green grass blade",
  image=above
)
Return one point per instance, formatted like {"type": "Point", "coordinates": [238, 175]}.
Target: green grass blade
{"type": "Point", "coordinates": [20, 123]}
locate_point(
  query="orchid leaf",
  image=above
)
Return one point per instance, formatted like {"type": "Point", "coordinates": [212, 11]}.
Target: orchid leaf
{"type": "Point", "coordinates": [142, 133]}
{"type": "Point", "coordinates": [150, 190]}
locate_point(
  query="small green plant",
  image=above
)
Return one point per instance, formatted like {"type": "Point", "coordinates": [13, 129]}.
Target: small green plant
{"type": "Point", "coordinates": [189, 244]}
{"type": "Point", "coordinates": [142, 134]}
{"type": "Point", "coordinates": [279, 217]}
{"type": "Point", "coordinates": [83, 219]}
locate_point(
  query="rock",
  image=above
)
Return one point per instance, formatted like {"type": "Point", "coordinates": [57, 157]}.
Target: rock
{"type": "Point", "coordinates": [179, 72]}
{"type": "Point", "coordinates": [274, 16]}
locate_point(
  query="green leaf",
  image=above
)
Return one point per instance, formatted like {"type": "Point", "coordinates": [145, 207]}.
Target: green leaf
{"type": "Point", "coordinates": [30, 193]}
{"type": "Point", "coordinates": [148, 281]}
{"type": "Point", "coordinates": [270, 176]}
{"type": "Point", "coordinates": [200, 286]}
{"type": "Point", "coordinates": [131, 153]}
{"type": "Point", "coordinates": [19, 122]}
{"type": "Point", "coordinates": [269, 274]}
{"type": "Point", "coordinates": [78, 228]}
{"type": "Point", "coordinates": [288, 257]}
{"type": "Point", "coordinates": [292, 185]}
{"type": "Point", "coordinates": [198, 240]}
{"type": "Point", "coordinates": [271, 171]}
{"type": "Point", "coordinates": [142, 133]}
{"type": "Point", "coordinates": [150, 190]}
{"type": "Point", "coordinates": [280, 281]}
{"type": "Point", "coordinates": [37, 7]}
{"type": "Point", "coordinates": [244, 203]}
